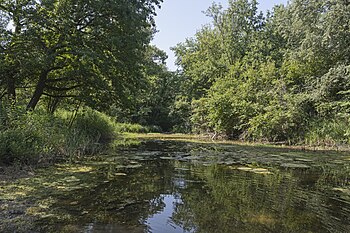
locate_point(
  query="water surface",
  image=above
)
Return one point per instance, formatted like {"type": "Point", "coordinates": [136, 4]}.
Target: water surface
{"type": "Point", "coordinates": [171, 186]}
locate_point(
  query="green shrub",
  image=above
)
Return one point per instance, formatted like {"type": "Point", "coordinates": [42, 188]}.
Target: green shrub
{"type": "Point", "coordinates": [19, 145]}
{"type": "Point", "coordinates": [131, 128]}
{"type": "Point", "coordinates": [329, 132]}
{"type": "Point", "coordinates": [275, 125]}
{"type": "Point", "coordinates": [29, 137]}
{"type": "Point", "coordinates": [95, 125]}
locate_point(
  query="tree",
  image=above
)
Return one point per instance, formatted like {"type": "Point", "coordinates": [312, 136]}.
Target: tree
{"type": "Point", "coordinates": [86, 49]}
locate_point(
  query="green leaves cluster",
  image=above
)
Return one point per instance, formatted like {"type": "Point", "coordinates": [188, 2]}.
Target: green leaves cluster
{"type": "Point", "coordinates": [274, 77]}
{"type": "Point", "coordinates": [90, 51]}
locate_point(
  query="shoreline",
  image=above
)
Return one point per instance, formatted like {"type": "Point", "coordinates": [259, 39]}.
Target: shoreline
{"type": "Point", "coordinates": [200, 138]}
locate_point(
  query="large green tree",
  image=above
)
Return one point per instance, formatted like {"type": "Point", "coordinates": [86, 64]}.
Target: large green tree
{"type": "Point", "coordinates": [276, 77]}
{"type": "Point", "coordinates": [91, 50]}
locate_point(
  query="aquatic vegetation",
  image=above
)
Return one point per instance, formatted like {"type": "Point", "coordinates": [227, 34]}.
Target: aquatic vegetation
{"type": "Point", "coordinates": [208, 187]}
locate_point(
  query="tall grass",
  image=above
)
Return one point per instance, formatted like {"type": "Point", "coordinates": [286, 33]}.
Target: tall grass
{"type": "Point", "coordinates": [96, 125]}
{"type": "Point", "coordinates": [29, 136]}
{"type": "Point", "coordinates": [329, 133]}
{"type": "Point", "coordinates": [38, 137]}
{"type": "Point", "coordinates": [131, 128]}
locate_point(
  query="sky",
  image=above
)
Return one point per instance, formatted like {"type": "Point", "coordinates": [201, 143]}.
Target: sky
{"type": "Point", "coordinates": [181, 19]}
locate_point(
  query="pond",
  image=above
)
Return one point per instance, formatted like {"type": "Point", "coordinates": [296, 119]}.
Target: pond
{"type": "Point", "coordinates": [166, 186]}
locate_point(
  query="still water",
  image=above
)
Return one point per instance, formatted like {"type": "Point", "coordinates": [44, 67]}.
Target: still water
{"type": "Point", "coordinates": [181, 187]}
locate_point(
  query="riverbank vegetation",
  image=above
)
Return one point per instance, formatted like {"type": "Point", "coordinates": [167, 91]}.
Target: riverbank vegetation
{"type": "Point", "coordinates": [39, 137]}
{"type": "Point", "coordinates": [70, 70]}
{"type": "Point", "coordinates": [283, 76]}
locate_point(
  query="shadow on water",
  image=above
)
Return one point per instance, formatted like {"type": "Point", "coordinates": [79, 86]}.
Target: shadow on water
{"type": "Point", "coordinates": [168, 186]}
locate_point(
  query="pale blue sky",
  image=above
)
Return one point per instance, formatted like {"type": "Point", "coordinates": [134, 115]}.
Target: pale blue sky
{"type": "Point", "coordinates": [180, 19]}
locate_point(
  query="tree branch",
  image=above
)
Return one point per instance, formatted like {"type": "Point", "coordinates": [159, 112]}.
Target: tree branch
{"type": "Point", "coordinates": [55, 68]}
{"type": "Point", "coordinates": [60, 96]}
{"type": "Point", "coordinates": [3, 94]}
{"type": "Point", "coordinates": [81, 27]}
{"type": "Point", "coordinates": [4, 8]}
{"type": "Point", "coordinates": [59, 80]}
{"type": "Point", "coordinates": [62, 88]}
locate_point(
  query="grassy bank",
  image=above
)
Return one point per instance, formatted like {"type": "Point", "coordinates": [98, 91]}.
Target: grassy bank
{"type": "Point", "coordinates": [38, 137]}
{"type": "Point", "coordinates": [42, 138]}
{"type": "Point", "coordinates": [201, 138]}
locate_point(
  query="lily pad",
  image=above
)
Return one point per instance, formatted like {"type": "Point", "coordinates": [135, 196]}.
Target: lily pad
{"type": "Point", "coordinates": [294, 165]}
{"type": "Point", "coordinates": [167, 158]}
{"type": "Point", "coordinates": [303, 160]}
{"type": "Point", "coordinates": [244, 168]}
{"type": "Point", "coordinates": [343, 190]}
{"type": "Point", "coordinates": [133, 166]}
{"type": "Point", "coordinates": [262, 171]}
{"type": "Point", "coordinates": [120, 174]}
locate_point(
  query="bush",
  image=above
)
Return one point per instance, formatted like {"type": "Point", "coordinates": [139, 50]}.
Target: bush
{"type": "Point", "coordinates": [131, 128]}
{"type": "Point", "coordinates": [31, 137]}
{"type": "Point", "coordinates": [95, 125]}
{"type": "Point", "coordinates": [277, 124]}
{"type": "Point", "coordinates": [329, 132]}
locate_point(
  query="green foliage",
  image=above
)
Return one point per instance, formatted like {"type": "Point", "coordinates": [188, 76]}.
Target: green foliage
{"type": "Point", "coordinates": [282, 77]}
{"type": "Point", "coordinates": [73, 49]}
{"type": "Point", "coordinates": [278, 77]}
{"type": "Point", "coordinates": [199, 116]}
{"type": "Point", "coordinates": [278, 122]}
{"type": "Point", "coordinates": [329, 132]}
{"type": "Point", "coordinates": [332, 91]}
{"type": "Point", "coordinates": [30, 137]}
{"type": "Point", "coordinates": [151, 104]}
{"type": "Point", "coordinates": [95, 125]}
{"type": "Point", "coordinates": [133, 128]}
{"type": "Point", "coordinates": [180, 112]}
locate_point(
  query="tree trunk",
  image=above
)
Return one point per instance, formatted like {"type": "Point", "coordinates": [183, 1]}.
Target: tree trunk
{"type": "Point", "coordinates": [11, 89]}
{"type": "Point", "coordinates": [53, 104]}
{"type": "Point", "coordinates": [39, 90]}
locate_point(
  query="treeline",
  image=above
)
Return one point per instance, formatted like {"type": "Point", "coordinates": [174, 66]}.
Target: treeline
{"type": "Point", "coordinates": [283, 76]}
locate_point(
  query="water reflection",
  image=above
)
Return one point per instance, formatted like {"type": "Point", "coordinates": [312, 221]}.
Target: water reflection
{"type": "Point", "coordinates": [187, 187]}
{"type": "Point", "coordinates": [163, 221]}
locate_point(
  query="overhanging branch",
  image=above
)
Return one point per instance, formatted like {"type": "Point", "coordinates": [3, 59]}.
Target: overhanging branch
{"type": "Point", "coordinates": [60, 96]}
{"type": "Point", "coordinates": [4, 92]}
{"type": "Point", "coordinates": [4, 8]}
{"type": "Point", "coordinates": [59, 80]}
{"type": "Point", "coordinates": [62, 88]}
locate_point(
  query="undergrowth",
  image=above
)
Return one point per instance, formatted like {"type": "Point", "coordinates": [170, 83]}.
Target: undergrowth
{"type": "Point", "coordinates": [39, 137]}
